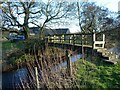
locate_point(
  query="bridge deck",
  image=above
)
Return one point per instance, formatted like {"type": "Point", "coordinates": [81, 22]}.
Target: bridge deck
{"type": "Point", "coordinates": [87, 40]}
{"type": "Point", "coordinates": [74, 44]}
{"type": "Point", "coordinates": [102, 52]}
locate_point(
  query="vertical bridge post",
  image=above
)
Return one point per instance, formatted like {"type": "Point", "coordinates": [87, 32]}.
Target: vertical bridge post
{"type": "Point", "coordinates": [103, 41]}
{"type": "Point", "coordinates": [62, 38]}
{"type": "Point", "coordinates": [54, 39]}
{"type": "Point", "coordinates": [95, 42]}
{"type": "Point", "coordinates": [94, 39]}
{"type": "Point", "coordinates": [70, 39]}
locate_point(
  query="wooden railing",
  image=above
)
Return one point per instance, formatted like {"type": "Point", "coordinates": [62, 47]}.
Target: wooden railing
{"type": "Point", "coordinates": [89, 39]}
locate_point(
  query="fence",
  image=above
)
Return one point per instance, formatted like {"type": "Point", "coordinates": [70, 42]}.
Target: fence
{"type": "Point", "coordinates": [88, 39]}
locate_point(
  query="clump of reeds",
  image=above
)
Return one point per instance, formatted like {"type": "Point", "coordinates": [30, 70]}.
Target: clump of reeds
{"type": "Point", "coordinates": [50, 74]}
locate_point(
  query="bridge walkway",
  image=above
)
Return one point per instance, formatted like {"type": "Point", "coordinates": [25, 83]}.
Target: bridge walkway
{"type": "Point", "coordinates": [90, 41]}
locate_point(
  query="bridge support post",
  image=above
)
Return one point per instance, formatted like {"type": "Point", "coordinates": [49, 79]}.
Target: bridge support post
{"type": "Point", "coordinates": [69, 64]}
{"type": "Point", "coordinates": [70, 39]}
{"type": "Point", "coordinates": [62, 38]}
{"type": "Point", "coordinates": [103, 45]}
{"type": "Point", "coordinates": [98, 42]}
{"type": "Point", "coordinates": [94, 40]}
{"type": "Point", "coordinates": [74, 39]}
{"type": "Point", "coordinates": [54, 38]}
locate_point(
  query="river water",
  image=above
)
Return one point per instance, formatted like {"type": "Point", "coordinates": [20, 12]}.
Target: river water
{"type": "Point", "coordinates": [13, 79]}
{"type": "Point", "coordinates": [115, 50]}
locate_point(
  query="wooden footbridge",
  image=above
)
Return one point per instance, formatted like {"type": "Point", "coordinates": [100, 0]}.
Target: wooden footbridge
{"type": "Point", "coordinates": [89, 41]}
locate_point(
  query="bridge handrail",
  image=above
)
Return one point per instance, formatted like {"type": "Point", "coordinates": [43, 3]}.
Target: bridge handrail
{"type": "Point", "coordinates": [73, 38]}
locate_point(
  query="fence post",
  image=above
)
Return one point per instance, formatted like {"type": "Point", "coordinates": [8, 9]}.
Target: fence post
{"type": "Point", "coordinates": [80, 39]}
{"type": "Point", "coordinates": [60, 39]}
{"type": "Point", "coordinates": [37, 81]}
{"type": "Point", "coordinates": [73, 39]}
{"type": "Point", "coordinates": [69, 64]}
{"type": "Point", "coordinates": [103, 41]}
{"type": "Point", "coordinates": [94, 39]}
{"type": "Point", "coordinates": [54, 39]}
{"type": "Point", "coordinates": [63, 38]}
{"type": "Point", "coordinates": [70, 39]}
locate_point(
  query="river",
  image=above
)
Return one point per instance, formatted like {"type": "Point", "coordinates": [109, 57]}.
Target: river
{"type": "Point", "coordinates": [13, 78]}
{"type": "Point", "coordinates": [115, 50]}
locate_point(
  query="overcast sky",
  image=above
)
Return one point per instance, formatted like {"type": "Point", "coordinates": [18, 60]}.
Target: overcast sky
{"type": "Point", "coordinates": [112, 5]}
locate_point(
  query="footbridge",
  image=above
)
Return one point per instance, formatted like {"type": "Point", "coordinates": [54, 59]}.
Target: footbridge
{"type": "Point", "coordinates": [90, 42]}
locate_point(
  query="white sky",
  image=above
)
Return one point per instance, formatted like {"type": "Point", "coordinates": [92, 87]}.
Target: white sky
{"type": "Point", "coordinates": [112, 5]}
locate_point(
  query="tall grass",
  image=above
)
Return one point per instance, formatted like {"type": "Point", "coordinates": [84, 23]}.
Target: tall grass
{"type": "Point", "coordinates": [51, 74]}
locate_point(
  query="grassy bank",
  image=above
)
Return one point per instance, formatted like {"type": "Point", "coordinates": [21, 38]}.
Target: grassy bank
{"type": "Point", "coordinates": [91, 75]}
{"type": "Point", "coordinates": [8, 45]}
{"type": "Point", "coordinates": [13, 52]}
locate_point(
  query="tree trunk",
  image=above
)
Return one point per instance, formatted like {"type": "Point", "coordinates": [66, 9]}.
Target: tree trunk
{"type": "Point", "coordinates": [25, 31]}
{"type": "Point", "coordinates": [83, 57]}
{"type": "Point", "coordinates": [41, 36]}
{"type": "Point", "coordinates": [69, 66]}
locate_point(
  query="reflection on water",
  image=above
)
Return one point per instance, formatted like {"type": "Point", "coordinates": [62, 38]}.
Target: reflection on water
{"type": "Point", "coordinates": [64, 64]}
{"type": "Point", "coordinates": [72, 58]}
{"type": "Point", "coordinates": [115, 50]}
{"type": "Point", "coordinates": [12, 79]}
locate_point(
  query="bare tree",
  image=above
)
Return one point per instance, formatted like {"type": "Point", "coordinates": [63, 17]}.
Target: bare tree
{"type": "Point", "coordinates": [79, 6]}
{"type": "Point", "coordinates": [21, 14]}
{"type": "Point", "coordinates": [53, 12]}
{"type": "Point", "coordinates": [93, 18]}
